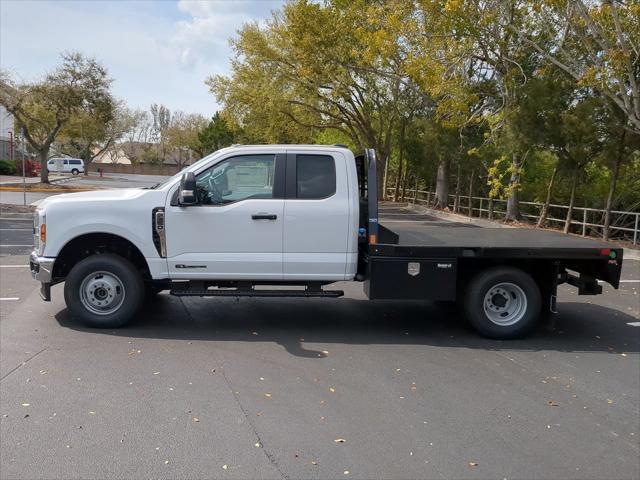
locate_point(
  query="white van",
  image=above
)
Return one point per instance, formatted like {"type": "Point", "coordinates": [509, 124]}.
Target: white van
{"type": "Point", "coordinates": [66, 165]}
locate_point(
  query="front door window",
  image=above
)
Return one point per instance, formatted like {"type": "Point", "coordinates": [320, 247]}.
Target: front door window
{"type": "Point", "coordinates": [237, 178]}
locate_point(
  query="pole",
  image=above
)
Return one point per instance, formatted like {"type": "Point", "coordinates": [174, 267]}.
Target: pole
{"type": "Point", "coordinates": [24, 178]}
{"type": "Point", "coordinates": [11, 145]}
{"type": "Point", "coordinates": [584, 222]}
{"type": "Point", "coordinates": [635, 230]}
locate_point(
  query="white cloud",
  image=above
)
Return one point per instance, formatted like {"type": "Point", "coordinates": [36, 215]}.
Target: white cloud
{"type": "Point", "coordinates": [205, 35]}
{"type": "Point", "coordinates": [156, 52]}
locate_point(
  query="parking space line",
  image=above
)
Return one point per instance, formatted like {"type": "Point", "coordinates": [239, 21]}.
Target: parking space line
{"type": "Point", "coordinates": [14, 266]}
{"type": "Point", "coordinates": [634, 324]}
{"type": "Point", "coordinates": [16, 229]}
{"type": "Point", "coordinates": [9, 219]}
{"type": "Point", "coordinates": [9, 299]}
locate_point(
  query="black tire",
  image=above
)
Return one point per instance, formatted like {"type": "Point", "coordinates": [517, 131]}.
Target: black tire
{"type": "Point", "coordinates": [75, 171]}
{"type": "Point", "coordinates": [126, 272]}
{"type": "Point", "coordinates": [479, 288]}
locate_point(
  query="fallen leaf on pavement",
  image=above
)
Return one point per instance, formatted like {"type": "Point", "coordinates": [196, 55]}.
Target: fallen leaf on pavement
{"type": "Point", "coordinates": [552, 403]}
{"type": "Point", "coordinates": [339, 440]}
{"type": "Point", "coordinates": [326, 352]}
{"type": "Point", "coordinates": [268, 395]}
{"type": "Point", "coordinates": [313, 462]}
{"type": "Point", "coordinates": [332, 390]}
{"type": "Point", "coordinates": [257, 445]}
{"type": "Point", "coordinates": [156, 373]}
{"type": "Point", "coordinates": [346, 472]}
{"type": "Point", "coordinates": [473, 464]}
{"type": "Point", "coordinates": [609, 401]}
{"type": "Point", "coordinates": [196, 419]}
{"type": "Point", "coordinates": [26, 404]}
{"type": "Point", "coordinates": [224, 467]}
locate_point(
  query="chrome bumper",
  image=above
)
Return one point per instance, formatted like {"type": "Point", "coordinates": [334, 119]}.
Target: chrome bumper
{"type": "Point", "coordinates": [41, 270]}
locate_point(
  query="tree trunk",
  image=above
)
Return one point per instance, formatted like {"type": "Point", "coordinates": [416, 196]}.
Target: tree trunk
{"type": "Point", "coordinates": [545, 208]}
{"type": "Point", "coordinates": [513, 202]}
{"type": "Point", "coordinates": [606, 231]}
{"type": "Point", "coordinates": [404, 184]}
{"type": "Point", "coordinates": [384, 180]}
{"type": "Point", "coordinates": [442, 186]}
{"type": "Point", "coordinates": [87, 160]}
{"type": "Point", "coordinates": [382, 162]}
{"type": "Point", "coordinates": [44, 157]}
{"type": "Point", "coordinates": [572, 199]}
{"type": "Point", "coordinates": [396, 191]}
{"type": "Point", "coordinates": [456, 203]}
{"type": "Point", "coordinates": [471, 194]}
{"type": "Point", "coordinates": [400, 162]}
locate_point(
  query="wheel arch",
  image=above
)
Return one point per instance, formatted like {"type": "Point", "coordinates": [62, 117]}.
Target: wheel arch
{"type": "Point", "coordinates": [87, 244]}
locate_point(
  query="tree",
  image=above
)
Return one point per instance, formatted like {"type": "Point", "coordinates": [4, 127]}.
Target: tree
{"type": "Point", "coordinates": [215, 135]}
{"type": "Point", "coordinates": [88, 135]}
{"type": "Point", "coordinates": [161, 116]}
{"type": "Point", "coordinates": [595, 42]}
{"type": "Point", "coordinates": [80, 85]}
{"type": "Point", "coordinates": [305, 71]}
{"type": "Point", "coordinates": [182, 135]}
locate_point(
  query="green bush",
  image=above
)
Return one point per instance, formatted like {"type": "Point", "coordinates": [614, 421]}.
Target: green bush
{"type": "Point", "coordinates": [7, 167]}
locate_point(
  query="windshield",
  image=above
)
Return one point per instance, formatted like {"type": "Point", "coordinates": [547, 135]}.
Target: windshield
{"type": "Point", "coordinates": [188, 168]}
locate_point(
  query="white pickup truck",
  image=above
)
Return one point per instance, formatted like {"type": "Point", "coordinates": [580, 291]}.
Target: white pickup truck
{"type": "Point", "coordinates": [246, 219]}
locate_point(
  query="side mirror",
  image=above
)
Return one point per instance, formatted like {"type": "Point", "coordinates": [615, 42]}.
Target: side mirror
{"type": "Point", "coordinates": [187, 195]}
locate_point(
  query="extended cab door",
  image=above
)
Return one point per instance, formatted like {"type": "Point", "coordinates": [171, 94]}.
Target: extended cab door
{"type": "Point", "coordinates": [317, 217]}
{"type": "Point", "coordinates": [235, 232]}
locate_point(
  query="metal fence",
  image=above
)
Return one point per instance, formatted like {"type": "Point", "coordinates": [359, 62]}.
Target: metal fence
{"type": "Point", "coordinates": [584, 221]}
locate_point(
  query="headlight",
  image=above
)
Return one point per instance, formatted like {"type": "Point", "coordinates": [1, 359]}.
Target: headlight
{"type": "Point", "coordinates": [39, 232]}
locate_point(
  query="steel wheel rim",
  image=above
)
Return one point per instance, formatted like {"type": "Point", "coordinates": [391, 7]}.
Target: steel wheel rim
{"type": "Point", "coordinates": [102, 293]}
{"type": "Point", "coordinates": [505, 304]}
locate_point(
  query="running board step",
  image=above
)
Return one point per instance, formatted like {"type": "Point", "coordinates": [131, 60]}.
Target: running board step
{"type": "Point", "coordinates": [230, 292]}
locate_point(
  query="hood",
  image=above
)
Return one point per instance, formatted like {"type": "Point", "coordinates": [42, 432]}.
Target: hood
{"type": "Point", "coordinates": [93, 196]}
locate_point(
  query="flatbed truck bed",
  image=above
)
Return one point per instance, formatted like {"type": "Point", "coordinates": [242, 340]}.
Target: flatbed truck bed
{"type": "Point", "coordinates": [406, 258]}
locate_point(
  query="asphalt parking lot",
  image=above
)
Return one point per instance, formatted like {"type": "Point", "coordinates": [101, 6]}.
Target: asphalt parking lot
{"type": "Point", "coordinates": [309, 388]}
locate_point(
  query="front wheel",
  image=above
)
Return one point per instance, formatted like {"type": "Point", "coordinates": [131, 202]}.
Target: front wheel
{"type": "Point", "coordinates": [502, 303]}
{"type": "Point", "coordinates": [75, 171]}
{"type": "Point", "coordinates": [104, 291]}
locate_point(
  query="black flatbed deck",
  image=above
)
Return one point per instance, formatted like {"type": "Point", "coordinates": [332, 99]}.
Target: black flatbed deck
{"type": "Point", "coordinates": [465, 236]}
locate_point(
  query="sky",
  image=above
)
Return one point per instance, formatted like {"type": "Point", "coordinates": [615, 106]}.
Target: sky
{"type": "Point", "coordinates": [155, 51]}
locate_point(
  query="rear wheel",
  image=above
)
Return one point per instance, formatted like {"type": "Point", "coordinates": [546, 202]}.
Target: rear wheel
{"type": "Point", "coordinates": [104, 291]}
{"type": "Point", "coordinates": [502, 303]}
{"type": "Point", "coordinates": [75, 171]}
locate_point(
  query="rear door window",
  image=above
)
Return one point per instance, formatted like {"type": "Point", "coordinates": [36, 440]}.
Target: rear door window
{"type": "Point", "coordinates": [315, 177]}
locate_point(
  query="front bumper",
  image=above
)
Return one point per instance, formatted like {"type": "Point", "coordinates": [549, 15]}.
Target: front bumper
{"type": "Point", "coordinates": [41, 270]}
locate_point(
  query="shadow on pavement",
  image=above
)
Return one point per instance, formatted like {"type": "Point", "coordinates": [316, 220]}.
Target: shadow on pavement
{"type": "Point", "coordinates": [292, 323]}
